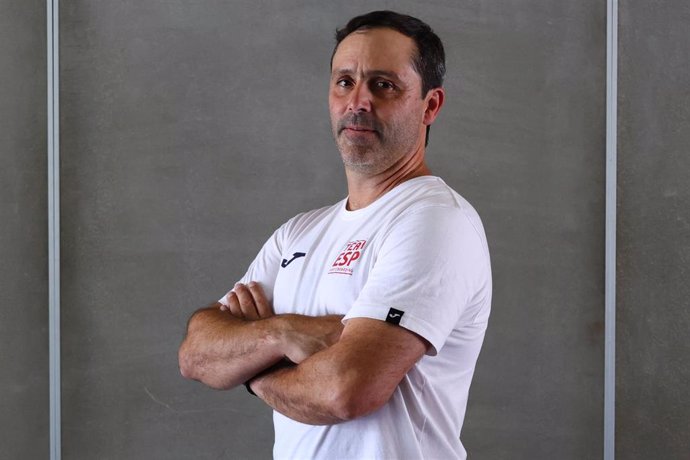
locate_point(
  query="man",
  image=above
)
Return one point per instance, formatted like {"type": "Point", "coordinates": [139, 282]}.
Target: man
{"type": "Point", "coordinates": [360, 323]}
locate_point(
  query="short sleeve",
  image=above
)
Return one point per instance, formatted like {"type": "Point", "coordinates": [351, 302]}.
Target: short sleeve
{"type": "Point", "coordinates": [264, 268]}
{"type": "Point", "coordinates": [429, 267]}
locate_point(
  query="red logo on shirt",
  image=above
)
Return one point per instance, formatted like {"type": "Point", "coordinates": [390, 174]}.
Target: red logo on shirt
{"type": "Point", "coordinates": [350, 253]}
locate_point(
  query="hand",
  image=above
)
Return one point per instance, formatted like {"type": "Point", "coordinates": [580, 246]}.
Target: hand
{"type": "Point", "coordinates": [248, 302]}
{"type": "Point", "coordinates": [305, 335]}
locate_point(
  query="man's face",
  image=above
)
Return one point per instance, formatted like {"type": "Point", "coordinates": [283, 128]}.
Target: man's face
{"type": "Point", "coordinates": [375, 100]}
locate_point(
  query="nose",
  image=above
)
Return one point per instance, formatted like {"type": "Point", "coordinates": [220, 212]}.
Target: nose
{"type": "Point", "coordinates": [360, 99]}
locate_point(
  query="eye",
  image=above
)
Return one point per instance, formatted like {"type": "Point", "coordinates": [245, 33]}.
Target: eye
{"type": "Point", "coordinates": [343, 82]}
{"type": "Point", "coordinates": [384, 84]}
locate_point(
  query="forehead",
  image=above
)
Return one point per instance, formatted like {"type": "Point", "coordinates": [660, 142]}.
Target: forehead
{"type": "Point", "coordinates": [384, 49]}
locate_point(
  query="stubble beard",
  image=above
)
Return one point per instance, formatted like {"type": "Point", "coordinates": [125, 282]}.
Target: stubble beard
{"type": "Point", "coordinates": [378, 152]}
{"type": "Point", "coordinates": [366, 158]}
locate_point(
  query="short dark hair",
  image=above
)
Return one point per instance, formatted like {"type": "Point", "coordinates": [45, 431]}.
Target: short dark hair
{"type": "Point", "coordinates": [429, 59]}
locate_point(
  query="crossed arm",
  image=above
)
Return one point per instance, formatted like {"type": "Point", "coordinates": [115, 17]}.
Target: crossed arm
{"type": "Point", "coordinates": [341, 373]}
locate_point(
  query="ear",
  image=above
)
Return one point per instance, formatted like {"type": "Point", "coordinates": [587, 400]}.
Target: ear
{"type": "Point", "coordinates": [434, 102]}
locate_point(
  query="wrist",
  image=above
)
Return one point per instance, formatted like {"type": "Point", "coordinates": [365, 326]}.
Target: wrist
{"type": "Point", "coordinates": [255, 384]}
{"type": "Point", "coordinates": [272, 335]}
{"type": "Point", "coordinates": [284, 332]}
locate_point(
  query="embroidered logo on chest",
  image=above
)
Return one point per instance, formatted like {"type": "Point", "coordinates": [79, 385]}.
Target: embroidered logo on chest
{"type": "Point", "coordinates": [347, 258]}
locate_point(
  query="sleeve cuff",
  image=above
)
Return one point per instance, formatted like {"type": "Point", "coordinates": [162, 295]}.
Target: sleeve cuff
{"type": "Point", "coordinates": [410, 322]}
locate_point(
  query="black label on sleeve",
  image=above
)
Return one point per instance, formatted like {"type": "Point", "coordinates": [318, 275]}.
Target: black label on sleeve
{"type": "Point", "coordinates": [394, 316]}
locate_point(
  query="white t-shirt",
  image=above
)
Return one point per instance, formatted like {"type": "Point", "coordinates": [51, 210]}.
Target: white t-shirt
{"type": "Point", "coordinates": [418, 256]}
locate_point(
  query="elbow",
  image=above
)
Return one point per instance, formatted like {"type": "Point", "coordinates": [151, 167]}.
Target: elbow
{"type": "Point", "coordinates": [186, 362]}
{"type": "Point", "coordinates": [351, 401]}
{"type": "Point", "coordinates": [195, 366]}
{"type": "Point", "coordinates": [192, 364]}
{"type": "Point", "coordinates": [190, 359]}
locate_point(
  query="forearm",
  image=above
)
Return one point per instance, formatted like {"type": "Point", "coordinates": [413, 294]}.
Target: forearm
{"type": "Point", "coordinates": [223, 351]}
{"type": "Point", "coordinates": [332, 386]}
{"type": "Point", "coordinates": [352, 378]}
{"type": "Point", "coordinates": [303, 393]}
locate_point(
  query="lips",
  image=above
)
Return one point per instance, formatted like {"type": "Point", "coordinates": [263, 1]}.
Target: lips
{"type": "Point", "coordinates": [358, 123]}
{"type": "Point", "coordinates": [359, 128]}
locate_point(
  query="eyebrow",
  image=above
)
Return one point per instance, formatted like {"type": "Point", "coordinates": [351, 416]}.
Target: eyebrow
{"type": "Point", "coordinates": [368, 74]}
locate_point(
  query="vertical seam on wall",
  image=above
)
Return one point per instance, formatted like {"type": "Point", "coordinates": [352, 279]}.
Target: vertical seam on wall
{"type": "Point", "coordinates": [53, 64]}
{"type": "Point", "coordinates": [610, 248]}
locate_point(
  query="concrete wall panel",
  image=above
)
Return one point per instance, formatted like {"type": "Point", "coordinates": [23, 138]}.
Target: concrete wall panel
{"type": "Point", "coordinates": [653, 318]}
{"type": "Point", "coordinates": [24, 419]}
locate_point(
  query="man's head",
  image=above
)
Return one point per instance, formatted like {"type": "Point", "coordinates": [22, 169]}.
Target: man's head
{"type": "Point", "coordinates": [386, 75]}
{"type": "Point", "coordinates": [429, 58]}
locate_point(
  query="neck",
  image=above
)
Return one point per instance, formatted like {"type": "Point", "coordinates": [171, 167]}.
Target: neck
{"type": "Point", "coordinates": [364, 189]}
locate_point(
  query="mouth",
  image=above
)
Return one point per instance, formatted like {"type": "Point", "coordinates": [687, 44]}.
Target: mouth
{"type": "Point", "coordinates": [358, 129]}
{"type": "Point", "coordinates": [357, 126]}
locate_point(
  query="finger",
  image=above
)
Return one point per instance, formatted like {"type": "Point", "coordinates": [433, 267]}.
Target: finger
{"type": "Point", "coordinates": [246, 301]}
{"type": "Point", "coordinates": [263, 308]}
{"type": "Point", "coordinates": [234, 305]}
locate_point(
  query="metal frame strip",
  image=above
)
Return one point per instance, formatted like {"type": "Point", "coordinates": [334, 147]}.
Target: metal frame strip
{"type": "Point", "coordinates": [52, 9]}
{"type": "Point", "coordinates": [610, 248]}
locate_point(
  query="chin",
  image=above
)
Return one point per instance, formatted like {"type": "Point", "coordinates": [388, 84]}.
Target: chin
{"type": "Point", "coordinates": [367, 166]}
{"type": "Point", "coordinates": [354, 162]}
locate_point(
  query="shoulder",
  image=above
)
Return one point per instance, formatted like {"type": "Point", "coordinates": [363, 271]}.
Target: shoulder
{"type": "Point", "coordinates": [433, 191]}
{"type": "Point", "coordinates": [429, 200]}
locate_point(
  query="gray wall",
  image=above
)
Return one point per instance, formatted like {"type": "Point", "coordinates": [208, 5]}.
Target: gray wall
{"type": "Point", "coordinates": [653, 372]}
{"type": "Point", "coordinates": [522, 137]}
{"type": "Point", "coordinates": [23, 232]}
{"type": "Point", "coordinates": [190, 130]}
